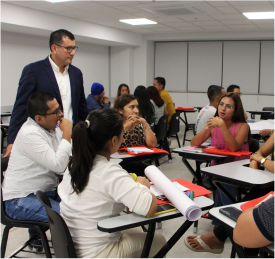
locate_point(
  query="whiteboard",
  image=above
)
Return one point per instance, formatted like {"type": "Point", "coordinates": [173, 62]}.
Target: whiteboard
{"type": "Point", "coordinates": [241, 65]}
{"type": "Point", "coordinates": [204, 65]}
{"type": "Point", "coordinates": [267, 68]}
{"type": "Point", "coordinates": [171, 63]}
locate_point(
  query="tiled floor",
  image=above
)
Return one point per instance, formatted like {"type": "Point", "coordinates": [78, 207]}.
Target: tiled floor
{"type": "Point", "coordinates": [174, 170]}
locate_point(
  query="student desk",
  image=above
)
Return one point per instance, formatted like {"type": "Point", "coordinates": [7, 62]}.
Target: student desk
{"type": "Point", "coordinates": [127, 159]}
{"type": "Point", "coordinates": [133, 220]}
{"type": "Point", "coordinates": [198, 108]}
{"type": "Point", "coordinates": [199, 158]}
{"type": "Point", "coordinates": [187, 125]}
{"type": "Point", "coordinates": [253, 113]}
{"type": "Point", "coordinates": [239, 175]}
{"type": "Point", "coordinates": [256, 127]}
{"type": "Point", "coordinates": [230, 225]}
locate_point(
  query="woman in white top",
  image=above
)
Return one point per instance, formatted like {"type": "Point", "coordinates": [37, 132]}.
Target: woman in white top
{"type": "Point", "coordinates": [157, 102]}
{"type": "Point", "coordinates": [94, 188]}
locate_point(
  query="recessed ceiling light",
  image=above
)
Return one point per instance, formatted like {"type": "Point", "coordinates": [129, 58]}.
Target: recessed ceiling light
{"type": "Point", "coordinates": [260, 15]}
{"type": "Point", "coordinates": [140, 21]}
{"type": "Point", "coordinates": [57, 1]}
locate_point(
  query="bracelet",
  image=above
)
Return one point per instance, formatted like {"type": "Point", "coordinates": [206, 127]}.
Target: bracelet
{"type": "Point", "coordinates": [146, 127]}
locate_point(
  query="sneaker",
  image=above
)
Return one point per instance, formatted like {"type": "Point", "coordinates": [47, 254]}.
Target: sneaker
{"type": "Point", "coordinates": [35, 245]}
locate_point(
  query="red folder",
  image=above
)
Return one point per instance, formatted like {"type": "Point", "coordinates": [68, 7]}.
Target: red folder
{"type": "Point", "coordinates": [254, 202]}
{"type": "Point", "coordinates": [227, 152]}
{"type": "Point", "coordinates": [198, 190]}
{"type": "Point", "coordinates": [156, 151]}
{"type": "Point", "coordinates": [184, 109]}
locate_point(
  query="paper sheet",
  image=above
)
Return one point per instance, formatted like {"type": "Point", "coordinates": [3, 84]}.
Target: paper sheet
{"type": "Point", "coordinates": [137, 150]}
{"type": "Point", "coordinates": [263, 124]}
{"type": "Point", "coordinates": [178, 198]}
{"type": "Point", "coordinates": [157, 192]}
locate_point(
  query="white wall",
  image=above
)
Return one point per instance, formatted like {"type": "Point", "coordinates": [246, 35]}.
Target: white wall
{"type": "Point", "coordinates": [18, 50]}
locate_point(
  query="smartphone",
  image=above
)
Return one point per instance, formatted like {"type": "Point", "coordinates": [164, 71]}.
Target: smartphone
{"type": "Point", "coordinates": [164, 208]}
{"type": "Point", "coordinates": [231, 212]}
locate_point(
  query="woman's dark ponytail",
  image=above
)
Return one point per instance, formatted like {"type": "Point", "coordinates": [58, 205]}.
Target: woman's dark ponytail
{"type": "Point", "coordinates": [88, 139]}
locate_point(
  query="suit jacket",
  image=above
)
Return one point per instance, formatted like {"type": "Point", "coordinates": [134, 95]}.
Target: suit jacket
{"type": "Point", "coordinates": [39, 77]}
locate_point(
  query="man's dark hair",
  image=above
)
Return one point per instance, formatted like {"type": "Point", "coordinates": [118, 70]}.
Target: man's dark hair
{"type": "Point", "coordinates": [37, 104]}
{"type": "Point", "coordinates": [213, 91]}
{"type": "Point", "coordinates": [161, 81]}
{"type": "Point", "coordinates": [230, 89]}
{"type": "Point", "coordinates": [56, 37]}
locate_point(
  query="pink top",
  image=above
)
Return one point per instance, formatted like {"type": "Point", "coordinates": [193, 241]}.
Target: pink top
{"type": "Point", "coordinates": [218, 141]}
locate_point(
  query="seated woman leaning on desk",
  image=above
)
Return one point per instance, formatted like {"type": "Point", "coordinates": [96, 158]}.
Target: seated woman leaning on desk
{"type": "Point", "coordinates": [228, 129]}
{"type": "Point", "coordinates": [94, 188]}
{"type": "Point", "coordinates": [137, 130]}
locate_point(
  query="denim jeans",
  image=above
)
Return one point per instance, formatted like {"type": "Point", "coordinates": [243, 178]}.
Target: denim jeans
{"type": "Point", "coordinates": [222, 200]}
{"type": "Point", "coordinates": [30, 208]}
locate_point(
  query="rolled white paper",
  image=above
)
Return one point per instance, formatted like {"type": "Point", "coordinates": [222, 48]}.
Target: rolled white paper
{"type": "Point", "coordinates": [179, 199]}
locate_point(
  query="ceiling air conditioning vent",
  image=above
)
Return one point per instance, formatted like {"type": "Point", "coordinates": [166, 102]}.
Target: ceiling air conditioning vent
{"type": "Point", "coordinates": [179, 8]}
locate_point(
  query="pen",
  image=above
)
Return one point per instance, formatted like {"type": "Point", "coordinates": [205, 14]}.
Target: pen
{"type": "Point", "coordinates": [192, 195]}
{"type": "Point", "coordinates": [188, 194]}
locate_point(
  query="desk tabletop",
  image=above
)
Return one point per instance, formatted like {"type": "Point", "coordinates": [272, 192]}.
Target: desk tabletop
{"type": "Point", "coordinates": [134, 220]}
{"type": "Point", "coordinates": [238, 172]}
{"type": "Point", "coordinates": [197, 155]}
{"type": "Point", "coordinates": [260, 112]}
{"type": "Point", "coordinates": [180, 111]}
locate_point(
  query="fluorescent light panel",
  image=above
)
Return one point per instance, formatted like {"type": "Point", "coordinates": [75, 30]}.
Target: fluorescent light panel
{"type": "Point", "coordinates": [259, 15]}
{"type": "Point", "coordinates": [58, 1]}
{"type": "Point", "coordinates": [140, 21]}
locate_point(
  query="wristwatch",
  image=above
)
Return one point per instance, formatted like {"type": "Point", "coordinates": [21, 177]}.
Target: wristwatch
{"type": "Point", "coordinates": [263, 160]}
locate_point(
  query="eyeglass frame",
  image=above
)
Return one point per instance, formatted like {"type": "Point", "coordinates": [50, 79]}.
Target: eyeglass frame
{"type": "Point", "coordinates": [75, 48]}
{"type": "Point", "coordinates": [227, 105]}
{"type": "Point", "coordinates": [56, 112]}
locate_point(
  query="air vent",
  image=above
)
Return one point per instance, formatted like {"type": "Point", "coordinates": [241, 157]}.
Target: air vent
{"type": "Point", "coordinates": [179, 8]}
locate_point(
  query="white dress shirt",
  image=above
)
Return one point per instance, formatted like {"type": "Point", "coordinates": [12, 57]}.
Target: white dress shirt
{"type": "Point", "coordinates": [63, 81]}
{"type": "Point", "coordinates": [109, 189]}
{"type": "Point", "coordinates": [36, 156]}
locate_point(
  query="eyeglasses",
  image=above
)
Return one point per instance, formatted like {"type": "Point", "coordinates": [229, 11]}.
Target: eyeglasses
{"type": "Point", "coordinates": [227, 105]}
{"type": "Point", "coordinates": [56, 112]}
{"type": "Point", "coordinates": [69, 49]}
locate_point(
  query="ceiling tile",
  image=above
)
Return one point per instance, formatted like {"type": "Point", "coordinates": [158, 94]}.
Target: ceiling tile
{"type": "Point", "coordinates": [228, 9]}
{"type": "Point", "coordinates": [191, 28]}
{"type": "Point", "coordinates": [145, 15]}
{"type": "Point", "coordinates": [218, 3]}
{"type": "Point", "coordinates": [51, 7]}
{"type": "Point", "coordinates": [128, 9]}
{"type": "Point", "coordinates": [170, 19]}
{"type": "Point", "coordinates": [236, 3]}
{"type": "Point", "coordinates": [228, 16]}
{"type": "Point", "coordinates": [266, 25]}
{"type": "Point", "coordinates": [179, 24]}
{"type": "Point", "coordinates": [74, 13]}
{"type": "Point", "coordinates": [165, 29]}
{"type": "Point", "coordinates": [141, 30]}
{"type": "Point", "coordinates": [270, 21]}
{"type": "Point", "coordinates": [83, 5]}
{"type": "Point", "coordinates": [215, 27]}
{"type": "Point", "coordinates": [216, 23]}
{"type": "Point", "coordinates": [25, 3]}
{"type": "Point", "coordinates": [255, 8]}
{"type": "Point", "coordinates": [243, 27]}
{"type": "Point", "coordinates": [195, 17]}
{"type": "Point", "coordinates": [118, 3]}
{"type": "Point", "coordinates": [227, 22]}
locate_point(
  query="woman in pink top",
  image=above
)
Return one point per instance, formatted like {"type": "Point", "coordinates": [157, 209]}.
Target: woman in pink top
{"type": "Point", "coordinates": [228, 129]}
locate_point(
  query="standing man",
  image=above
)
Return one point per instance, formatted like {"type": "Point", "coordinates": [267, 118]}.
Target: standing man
{"type": "Point", "coordinates": [54, 75]}
{"type": "Point", "coordinates": [159, 83]}
{"type": "Point", "coordinates": [97, 98]}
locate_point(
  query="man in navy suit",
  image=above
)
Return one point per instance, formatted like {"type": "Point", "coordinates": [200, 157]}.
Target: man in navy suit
{"type": "Point", "coordinates": [54, 75]}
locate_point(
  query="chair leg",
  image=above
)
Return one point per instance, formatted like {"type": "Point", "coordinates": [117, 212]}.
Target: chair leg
{"type": "Point", "coordinates": [4, 241]}
{"type": "Point", "coordinates": [195, 228]}
{"type": "Point", "coordinates": [168, 149]}
{"type": "Point", "coordinates": [178, 139]}
{"type": "Point", "coordinates": [45, 242]}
